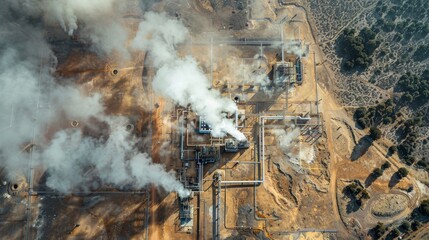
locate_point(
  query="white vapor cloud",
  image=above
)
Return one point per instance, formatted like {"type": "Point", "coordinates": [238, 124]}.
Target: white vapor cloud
{"type": "Point", "coordinates": [98, 20]}
{"type": "Point", "coordinates": [180, 78]}
{"type": "Point", "coordinates": [115, 162]}
{"type": "Point", "coordinates": [160, 35]}
{"type": "Point", "coordinates": [32, 100]}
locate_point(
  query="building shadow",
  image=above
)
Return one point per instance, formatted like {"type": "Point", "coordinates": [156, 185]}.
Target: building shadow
{"type": "Point", "coordinates": [361, 148]}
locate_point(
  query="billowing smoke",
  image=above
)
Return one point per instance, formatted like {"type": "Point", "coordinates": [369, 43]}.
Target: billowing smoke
{"type": "Point", "coordinates": [114, 161]}
{"type": "Point", "coordinates": [32, 101]}
{"type": "Point", "coordinates": [29, 95]}
{"type": "Point", "coordinates": [180, 78]}
{"type": "Point", "coordinates": [184, 82]}
{"type": "Point", "coordinates": [97, 20]}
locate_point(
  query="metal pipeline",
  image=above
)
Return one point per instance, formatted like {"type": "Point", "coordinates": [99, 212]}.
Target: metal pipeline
{"type": "Point", "coordinates": [181, 138]}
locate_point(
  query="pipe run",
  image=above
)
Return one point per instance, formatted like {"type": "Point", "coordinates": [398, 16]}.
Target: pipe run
{"type": "Point", "coordinates": [261, 148]}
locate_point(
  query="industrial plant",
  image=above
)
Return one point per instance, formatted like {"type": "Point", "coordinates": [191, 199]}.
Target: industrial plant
{"type": "Point", "coordinates": [204, 119]}
{"type": "Point", "coordinates": [216, 168]}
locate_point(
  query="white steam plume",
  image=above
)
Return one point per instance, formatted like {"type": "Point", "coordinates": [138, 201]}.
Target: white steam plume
{"type": "Point", "coordinates": [32, 100]}
{"type": "Point", "coordinates": [98, 20]}
{"type": "Point", "coordinates": [29, 95]}
{"type": "Point", "coordinates": [114, 161]}
{"type": "Point", "coordinates": [180, 78]}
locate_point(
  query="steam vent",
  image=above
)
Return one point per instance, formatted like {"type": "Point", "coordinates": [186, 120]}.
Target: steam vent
{"type": "Point", "coordinates": [214, 119]}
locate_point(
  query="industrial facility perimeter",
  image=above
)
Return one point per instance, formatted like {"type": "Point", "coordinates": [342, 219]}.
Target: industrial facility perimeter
{"type": "Point", "coordinates": [190, 119]}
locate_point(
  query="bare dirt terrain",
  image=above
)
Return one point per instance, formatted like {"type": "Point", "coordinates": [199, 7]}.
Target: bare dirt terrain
{"type": "Point", "coordinates": [305, 158]}
{"type": "Point", "coordinates": [363, 89]}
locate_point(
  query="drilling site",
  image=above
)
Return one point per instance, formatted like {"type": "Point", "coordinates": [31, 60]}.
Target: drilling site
{"type": "Point", "coordinates": [190, 119]}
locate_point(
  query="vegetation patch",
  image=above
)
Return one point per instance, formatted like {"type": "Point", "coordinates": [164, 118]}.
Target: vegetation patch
{"type": "Point", "coordinates": [357, 49]}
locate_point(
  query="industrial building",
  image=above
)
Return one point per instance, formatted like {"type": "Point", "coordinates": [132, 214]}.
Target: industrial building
{"type": "Point", "coordinates": [284, 72]}
{"type": "Point", "coordinates": [186, 215]}
{"type": "Point", "coordinates": [203, 126]}
{"type": "Point", "coordinates": [206, 159]}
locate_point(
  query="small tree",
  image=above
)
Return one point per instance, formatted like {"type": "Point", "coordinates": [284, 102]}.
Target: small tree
{"type": "Point", "coordinates": [377, 172]}
{"type": "Point", "coordinates": [379, 230]}
{"type": "Point", "coordinates": [422, 164]}
{"type": "Point", "coordinates": [374, 133]}
{"type": "Point", "coordinates": [353, 189]}
{"type": "Point", "coordinates": [392, 149]}
{"type": "Point", "coordinates": [416, 225]}
{"type": "Point", "coordinates": [407, 98]}
{"type": "Point", "coordinates": [406, 226]}
{"type": "Point", "coordinates": [424, 207]}
{"type": "Point", "coordinates": [387, 120]}
{"type": "Point", "coordinates": [360, 112]}
{"type": "Point", "coordinates": [365, 194]}
{"type": "Point", "coordinates": [362, 122]}
{"type": "Point", "coordinates": [385, 165]}
{"type": "Point", "coordinates": [395, 232]}
{"type": "Point", "coordinates": [402, 172]}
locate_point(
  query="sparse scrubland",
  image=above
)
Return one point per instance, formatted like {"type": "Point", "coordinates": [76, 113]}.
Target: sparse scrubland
{"type": "Point", "coordinates": [377, 53]}
{"type": "Point", "coordinates": [380, 55]}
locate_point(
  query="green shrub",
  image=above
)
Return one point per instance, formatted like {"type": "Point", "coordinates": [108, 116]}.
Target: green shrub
{"type": "Point", "coordinates": [402, 172]}
{"type": "Point", "coordinates": [374, 133]}
{"type": "Point", "coordinates": [424, 207]}
{"type": "Point", "coordinates": [385, 165]}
